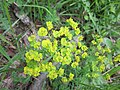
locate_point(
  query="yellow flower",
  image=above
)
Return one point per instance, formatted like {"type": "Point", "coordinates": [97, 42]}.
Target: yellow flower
{"type": "Point", "coordinates": [74, 64]}
{"type": "Point", "coordinates": [117, 58]}
{"type": "Point", "coordinates": [36, 45]}
{"type": "Point", "coordinates": [66, 60]}
{"type": "Point", "coordinates": [100, 40]}
{"type": "Point", "coordinates": [77, 31]}
{"type": "Point", "coordinates": [38, 57]}
{"type": "Point", "coordinates": [43, 67]}
{"type": "Point", "coordinates": [72, 23]}
{"type": "Point", "coordinates": [94, 68]}
{"type": "Point", "coordinates": [50, 67]}
{"type": "Point", "coordinates": [62, 31]}
{"type": "Point", "coordinates": [93, 42]}
{"type": "Point", "coordinates": [101, 58]}
{"type": "Point", "coordinates": [49, 25]}
{"type": "Point", "coordinates": [80, 38]}
{"type": "Point", "coordinates": [63, 42]}
{"type": "Point", "coordinates": [57, 57]}
{"type": "Point", "coordinates": [97, 54]}
{"type": "Point", "coordinates": [31, 38]}
{"type": "Point", "coordinates": [99, 47]}
{"type": "Point", "coordinates": [65, 52]}
{"type": "Point", "coordinates": [79, 44]}
{"type": "Point", "coordinates": [108, 50]}
{"type": "Point", "coordinates": [26, 70]}
{"type": "Point", "coordinates": [107, 76]}
{"type": "Point", "coordinates": [71, 76]}
{"type": "Point", "coordinates": [84, 48]}
{"type": "Point", "coordinates": [102, 67]}
{"type": "Point", "coordinates": [55, 43]}
{"type": "Point", "coordinates": [33, 55]}
{"type": "Point", "coordinates": [84, 55]}
{"type": "Point", "coordinates": [46, 43]}
{"type": "Point", "coordinates": [29, 55]}
{"type": "Point", "coordinates": [97, 36]}
{"type": "Point", "coordinates": [36, 72]}
{"type": "Point", "coordinates": [32, 71]}
{"type": "Point", "coordinates": [61, 72]}
{"type": "Point", "coordinates": [42, 31]}
{"type": "Point", "coordinates": [69, 35]}
{"type": "Point", "coordinates": [56, 34]}
{"type": "Point", "coordinates": [77, 52]}
{"type": "Point", "coordinates": [52, 74]}
{"type": "Point", "coordinates": [88, 75]}
{"type": "Point", "coordinates": [66, 29]}
{"type": "Point", "coordinates": [64, 80]}
{"type": "Point", "coordinates": [77, 58]}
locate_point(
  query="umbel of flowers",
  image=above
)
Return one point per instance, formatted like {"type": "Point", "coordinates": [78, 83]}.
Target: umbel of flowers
{"type": "Point", "coordinates": [58, 48]}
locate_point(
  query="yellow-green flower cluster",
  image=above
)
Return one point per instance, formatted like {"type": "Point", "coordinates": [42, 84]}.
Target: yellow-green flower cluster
{"type": "Point", "coordinates": [117, 58]}
{"type": "Point", "coordinates": [42, 31]}
{"type": "Point", "coordinates": [32, 59]}
{"type": "Point", "coordinates": [95, 75]}
{"type": "Point", "coordinates": [107, 76]}
{"type": "Point", "coordinates": [97, 40]}
{"type": "Point", "coordinates": [50, 46]}
{"type": "Point", "coordinates": [100, 52]}
{"type": "Point", "coordinates": [64, 31]}
{"type": "Point", "coordinates": [33, 42]}
{"type": "Point", "coordinates": [32, 71]}
{"type": "Point", "coordinates": [55, 49]}
{"type": "Point", "coordinates": [70, 78]}
{"type": "Point", "coordinates": [33, 55]}
{"type": "Point", "coordinates": [74, 25]}
{"type": "Point", "coordinates": [49, 25]}
{"type": "Point", "coordinates": [32, 38]}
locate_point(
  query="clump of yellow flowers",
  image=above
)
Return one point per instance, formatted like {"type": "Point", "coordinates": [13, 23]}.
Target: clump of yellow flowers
{"type": "Point", "coordinates": [58, 48]}
{"type": "Point", "coordinates": [62, 47]}
{"type": "Point", "coordinates": [100, 53]}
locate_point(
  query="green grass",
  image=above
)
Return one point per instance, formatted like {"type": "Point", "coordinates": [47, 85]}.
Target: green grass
{"type": "Point", "coordinates": [94, 16]}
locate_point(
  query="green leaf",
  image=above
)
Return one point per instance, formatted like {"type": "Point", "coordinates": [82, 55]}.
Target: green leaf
{"type": "Point", "coordinates": [118, 43]}
{"type": "Point", "coordinates": [112, 8]}
{"type": "Point", "coordinates": [113, 71]}
{"type": "Point", "coordinates": [19, 2]}
{"type": "Point", "coordinates": [86, 17]}
{"type": "Point", "coordinates": [108, 42]}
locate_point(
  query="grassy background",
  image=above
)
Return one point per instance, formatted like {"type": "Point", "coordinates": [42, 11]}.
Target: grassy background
{"type": "Point", "coordinates": [94, 16]}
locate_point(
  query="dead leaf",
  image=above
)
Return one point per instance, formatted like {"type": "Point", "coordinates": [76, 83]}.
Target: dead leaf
{"type": "Point", "coordinates": [7, 82]}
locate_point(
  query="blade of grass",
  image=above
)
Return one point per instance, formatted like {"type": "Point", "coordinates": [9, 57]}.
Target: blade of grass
{"type": "Point", "coordinates": [7, 14]}
{"type": "Point", "coordinates": [40, 11]}
{"type": "Point", "coordinates": [4, 53]}
{"type": "Point", "coordinates": [91, 17]}
{"type": "Point", "coordinates": [3, 39]}
{"type": "Point", "coordinates": [16, 57]}
{"type": "Point", "coordinates": [37, 7]}
{"type": "Point", "coordinates": [12, 26]}
{"type": "Point", "coordinates": [34, 9]}
{"type": "Point", "coordinates": [112, 71]}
